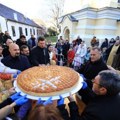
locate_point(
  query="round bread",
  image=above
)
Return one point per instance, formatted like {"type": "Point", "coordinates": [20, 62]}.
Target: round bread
{"type": "Point", "coordinates": [47, 80]}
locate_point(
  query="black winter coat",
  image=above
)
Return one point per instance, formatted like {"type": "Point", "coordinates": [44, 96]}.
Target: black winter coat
{"type": "Point", "coordinates": [20, 63]}
{"type": "Point", "coordinates": [39, 56]}
{"type": "Point", "coordinates": [101, 107]}
{"type": "Point", "coordinates": [91, 69]}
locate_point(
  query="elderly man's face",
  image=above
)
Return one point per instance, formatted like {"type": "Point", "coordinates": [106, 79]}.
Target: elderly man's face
{"type": "Point", "coordinates": [14, 51]}
{"type": "Point", "coordinates": [95, 55]}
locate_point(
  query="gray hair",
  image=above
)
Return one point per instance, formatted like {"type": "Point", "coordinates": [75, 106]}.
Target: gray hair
{"type": "Point", "coordinates": [96, 48]}
{"type": "Point", "coordinates": [111, 81]}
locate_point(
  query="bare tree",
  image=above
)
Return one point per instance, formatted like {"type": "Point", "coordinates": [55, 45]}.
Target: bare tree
{"type": "Point", "coordinates": [56, 10]}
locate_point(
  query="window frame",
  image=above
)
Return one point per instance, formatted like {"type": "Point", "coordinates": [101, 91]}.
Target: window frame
{"type": "Point", "coordinates": [20, 30]}
{"type": "Point", "coordinates": [13, 31]}
{"type": "Point", "coordinates": [26, 31]}
{"type": "Point", "coordinates": [30, 31]}
{"type": "Point", "coordinates": [34, 31]}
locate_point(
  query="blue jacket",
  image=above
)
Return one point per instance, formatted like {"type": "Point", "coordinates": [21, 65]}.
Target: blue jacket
{"type": "Point", "coordinates": [30, 43]}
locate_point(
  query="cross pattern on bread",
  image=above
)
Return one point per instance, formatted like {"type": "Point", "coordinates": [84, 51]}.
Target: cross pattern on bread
{"type": "Point", "coordinates": [50, 82]}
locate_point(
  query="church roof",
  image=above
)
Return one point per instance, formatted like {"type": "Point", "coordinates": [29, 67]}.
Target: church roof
{"type": "Point", "coordinates": [73, 19]}
{"type": "Point", "coordinates": [74, 16]}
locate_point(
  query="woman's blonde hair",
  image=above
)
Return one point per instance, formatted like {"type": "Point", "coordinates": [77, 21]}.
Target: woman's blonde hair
{"type": "Point", "coordinates": [48, 112]}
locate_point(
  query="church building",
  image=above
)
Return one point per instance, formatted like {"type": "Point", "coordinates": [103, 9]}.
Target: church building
{"type": "Point", "coordinates": [100, 18]}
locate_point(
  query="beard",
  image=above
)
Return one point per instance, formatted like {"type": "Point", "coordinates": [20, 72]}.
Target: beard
{"type": "Point", "coordinates": [27, 54]}
{"type": "Point", "coordinates": [17, 55]}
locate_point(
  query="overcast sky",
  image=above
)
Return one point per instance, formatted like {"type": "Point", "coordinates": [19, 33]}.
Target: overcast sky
{"type": "Point", "coordinates": [30, 8]}
{"type": "Point", "coordinates": [38, 8]}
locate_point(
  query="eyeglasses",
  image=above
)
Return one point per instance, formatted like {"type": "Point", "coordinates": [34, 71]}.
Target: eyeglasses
{"type": "Point", "coordinates": [93, 81]}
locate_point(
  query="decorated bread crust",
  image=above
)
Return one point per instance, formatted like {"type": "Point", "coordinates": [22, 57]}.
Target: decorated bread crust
{"type": "Point", "coordinates": [47, 80]}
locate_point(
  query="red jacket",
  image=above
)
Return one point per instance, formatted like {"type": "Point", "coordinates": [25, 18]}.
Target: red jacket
{"type": "Point", "coordinates": [70, 56]}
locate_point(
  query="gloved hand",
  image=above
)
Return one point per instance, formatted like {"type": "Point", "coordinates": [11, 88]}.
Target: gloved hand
{"type": "Point", "coordinates": [49, 101]}
{"type": "Point", "coordinates": [15, 96]}
{"type": "Point", "coordinates": [40, 102]}
{"type": "Point", "coordinates": [14, 75]}
{"type": "Point", "coordinates": [84, 85]}
{"type": "Point", "coordinates": [60, 101]}
{"type": "Point", "coordinates": [18, 72]}
{"type": "Point", "coordinates": [21, 100]}
{"type": "Point", "coordinates": [83, 77]}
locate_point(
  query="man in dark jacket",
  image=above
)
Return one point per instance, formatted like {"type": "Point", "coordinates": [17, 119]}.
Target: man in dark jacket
{"type": "Point", "coordinates": [21, 41]}
{"type": "Point", "coordinates": [25, 51]}
{"type": "Point", "coordinates": [39, 54]}
{"type": "Point", "coordinates": [105, 104]}
{"type": "Point", "coordinates": [91, 69]}
{"type": "Point", "coordinates": [94, 66]}
{"type": "Point", "coordinates": [15, 60]}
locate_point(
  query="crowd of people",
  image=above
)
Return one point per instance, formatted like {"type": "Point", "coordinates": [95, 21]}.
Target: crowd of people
{"type": "Point", "coordinates": [98, 65]}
